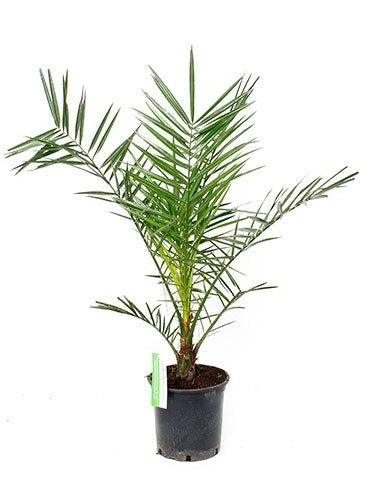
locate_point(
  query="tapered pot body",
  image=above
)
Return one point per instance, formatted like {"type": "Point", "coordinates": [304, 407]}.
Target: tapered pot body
{"type": "Point", "coordinates": [190, 428]}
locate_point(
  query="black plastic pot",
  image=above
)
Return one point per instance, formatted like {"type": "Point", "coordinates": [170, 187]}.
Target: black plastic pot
{"type": "Point", "coordinates": [190, 428]}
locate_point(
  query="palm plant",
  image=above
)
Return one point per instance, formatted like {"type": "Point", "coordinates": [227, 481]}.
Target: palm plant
{"type": "Point", "coordinates": [171, 178]}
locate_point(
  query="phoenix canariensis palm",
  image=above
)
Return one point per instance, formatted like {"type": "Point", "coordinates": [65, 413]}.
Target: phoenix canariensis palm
{"type": "Point", "coordinates": [171, 178]}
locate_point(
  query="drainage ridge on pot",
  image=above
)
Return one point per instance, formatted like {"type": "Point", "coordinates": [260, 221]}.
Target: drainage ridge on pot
{"type": "Point", "coordinates": [190, 428]}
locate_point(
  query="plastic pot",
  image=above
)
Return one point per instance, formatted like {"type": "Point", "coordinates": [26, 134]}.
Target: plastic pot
{"type": "Point", "coordinates": [190, 428]}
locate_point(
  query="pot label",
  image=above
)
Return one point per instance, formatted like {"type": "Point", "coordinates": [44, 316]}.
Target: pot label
{"type": "Point", "coordinates": [159, 382]}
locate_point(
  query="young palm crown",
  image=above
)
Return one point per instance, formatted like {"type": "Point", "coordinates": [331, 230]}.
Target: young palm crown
{"type": "Point", "coordinates": [171, 178]}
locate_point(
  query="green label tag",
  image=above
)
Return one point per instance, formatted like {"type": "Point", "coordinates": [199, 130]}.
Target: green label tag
{"type": "Point", "coordinates": [159, 382]}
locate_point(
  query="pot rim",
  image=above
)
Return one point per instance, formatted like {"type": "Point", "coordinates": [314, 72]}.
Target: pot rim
{"type": "Point", "coordinates": [196, 390]}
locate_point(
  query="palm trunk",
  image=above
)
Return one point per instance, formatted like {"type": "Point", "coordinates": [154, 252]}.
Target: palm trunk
{"type": "Point", "coordinates": [186, 361]}
{"type": "Point", "coordinates": [186, 356]}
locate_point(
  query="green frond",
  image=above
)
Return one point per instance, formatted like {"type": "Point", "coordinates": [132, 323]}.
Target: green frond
{"type": "Point", "coordinates": [151, 316]}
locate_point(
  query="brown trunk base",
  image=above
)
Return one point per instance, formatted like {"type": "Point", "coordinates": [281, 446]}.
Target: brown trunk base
{"type": "Point", "coordinates": [205, 376]}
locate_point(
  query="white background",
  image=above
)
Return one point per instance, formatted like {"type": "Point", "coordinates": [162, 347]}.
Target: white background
{"type": "Point", "coordinates": [74, 406]}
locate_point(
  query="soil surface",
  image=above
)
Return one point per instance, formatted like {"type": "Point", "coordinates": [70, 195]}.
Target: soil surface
{"type": "Point", "coordinates": [205, 376]}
